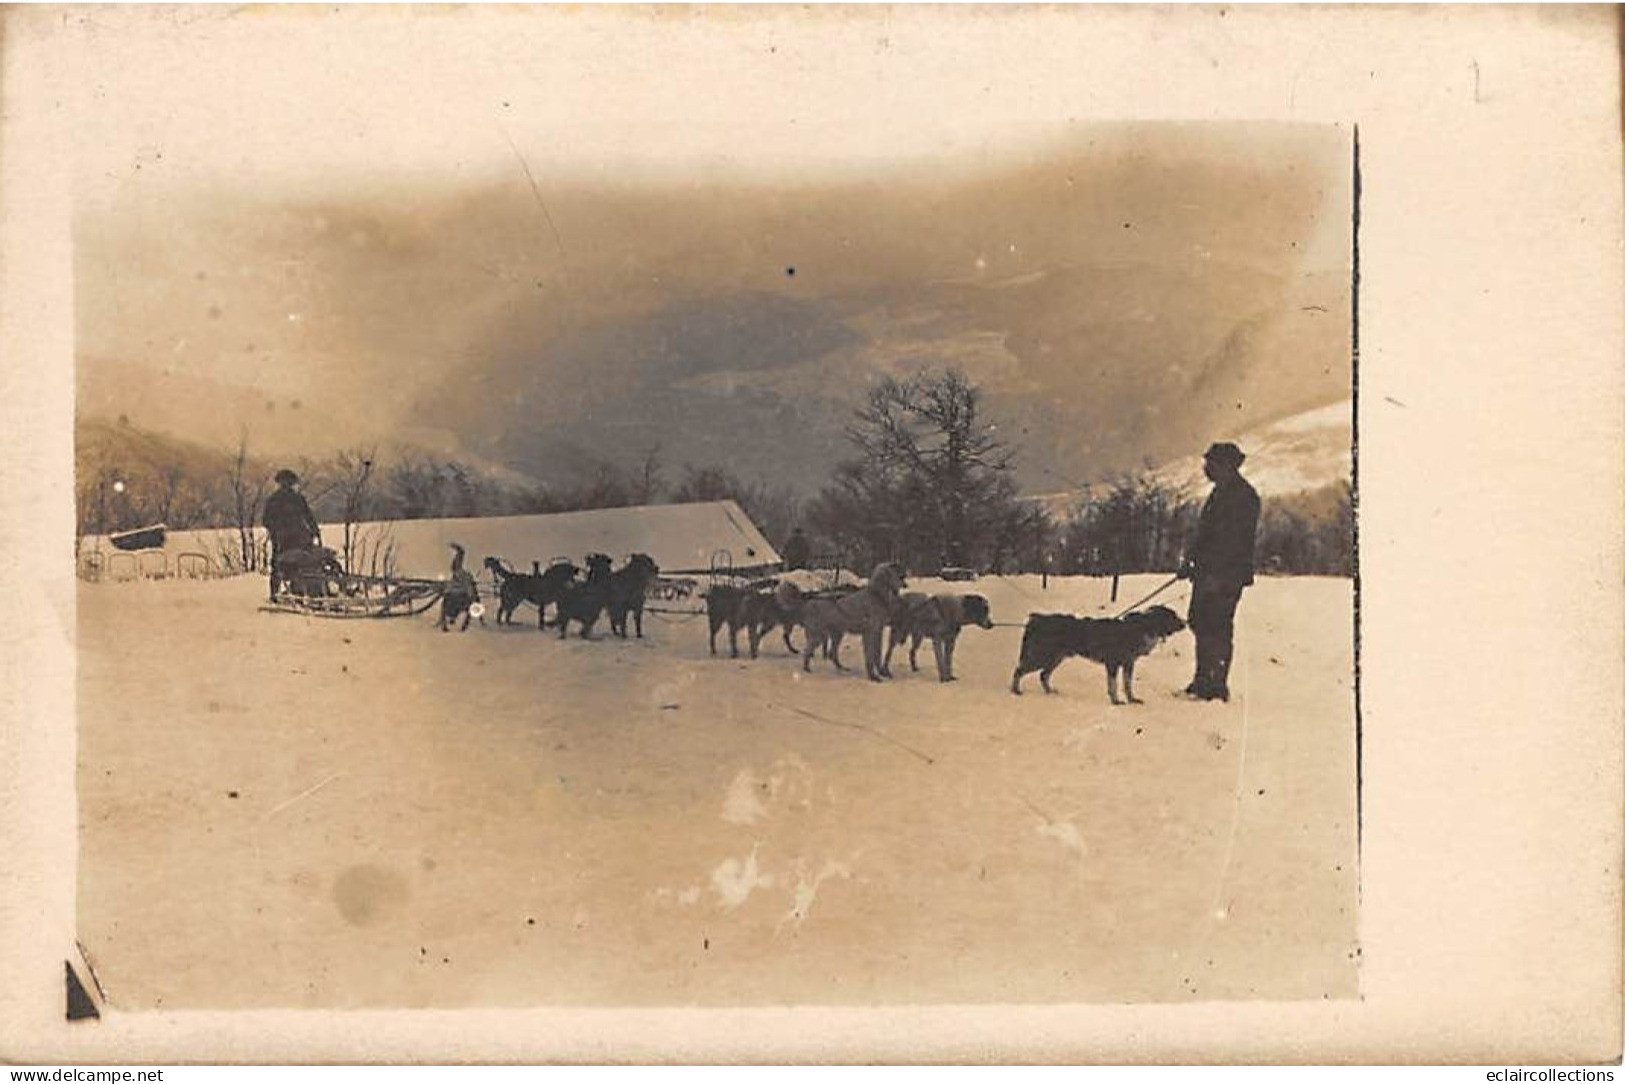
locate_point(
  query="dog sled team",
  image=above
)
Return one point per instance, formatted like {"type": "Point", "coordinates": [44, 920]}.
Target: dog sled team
{"type": "Point", "coordinates": [885, 617]}
{"type": "Point", "coordinates": [881, 614]}
{"type": "Point", "coordinates": [1219, 567]}
{"type": "Point", "coordinates": [579, 601]}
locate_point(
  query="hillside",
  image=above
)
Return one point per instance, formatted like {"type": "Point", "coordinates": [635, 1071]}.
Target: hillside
{"type": "Point", "coordinates": [127, 476]}
{"type": "Point", "coordinates": [1295, 454]}
{"type": "Point", "coordinates": [1112, 296]}
{"type": "Point", "coordinates": [201, 408]}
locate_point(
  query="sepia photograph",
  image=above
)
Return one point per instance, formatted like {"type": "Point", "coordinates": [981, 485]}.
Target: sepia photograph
{"type": "Point", "coordinates": [849, 510]}
{"type": "Point", "coordinates": [517, 582]}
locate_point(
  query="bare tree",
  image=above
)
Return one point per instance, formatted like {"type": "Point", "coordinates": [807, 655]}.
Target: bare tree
{"type": "Point", "coordinates": [170, 479]}
{"type": "Point", "coordinates": [90, 505]}
{"type": "Point", "coordinates": [319, 484]}
{"type": "Point", "coordinates": [1310, 533]}
{"type": "Point", "coordinates": [413, 486]}
{"type": "Point", "coordinates": [1139, 523]}
{"type": "Point", "coordinates": [711, 483]}
{"type": "Point", "coordinates": [1142, 524]}
{"type": "Point", "coordinates": [649, 482]}
{"type": "Point", "coordinates": [608, 486]}
{"type": "Point", "coordinates": [775, 509]}
{"type": "Point", "coordinates": [932, 483]}
{"type": "Point", "coordinates": [352, 471]}
{"type": "Point", "coordinates": [91, 500]}
{"type": "Point", "coordinates": [374, 550]}
{"type": "Point", "coordinates": [247, 484]}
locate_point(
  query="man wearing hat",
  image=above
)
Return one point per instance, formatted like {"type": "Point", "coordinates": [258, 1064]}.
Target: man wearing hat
{"type": "Point", "coordinates": [1219, 566]}
{"type": "Point", "coordinates": [797, 551]}
{"type": "Point", "coordinates": [289, 522]}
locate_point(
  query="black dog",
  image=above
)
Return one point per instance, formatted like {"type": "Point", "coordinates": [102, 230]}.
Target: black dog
{"type": "Point", "coordinates": [538, 590]}
{"type": "Point", "coordinates": [460, 595]}
{"type": "Point", "coordinates": [584, 602]}
{"type": "Point", "coordinates": [754, 608]}
{"type": "Point", "coordinates": [1113, 642]}
{"type": "Point", "coordinates": [628, 589]}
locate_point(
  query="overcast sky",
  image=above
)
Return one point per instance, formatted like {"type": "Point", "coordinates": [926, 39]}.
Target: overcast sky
{"type": "Point", "coordinates": [376, 205]}
{"type": "Point", "coordinates": [310, 98]}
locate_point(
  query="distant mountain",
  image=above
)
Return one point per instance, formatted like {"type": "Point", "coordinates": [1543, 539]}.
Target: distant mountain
{"type": "Point", "coordinates": [1117, 300]}
{"type": "Point", "coordinates": [121, 449]}
{"type": "Point", "coordinates": [1303, 454]}
{"type": "Point", "coordinates": [1085, 369]}
{"type": "Point", "coordinates": [159, 408]}
{"type": "Point", "coordinates": [1297, 454]}
{"type": "Point", "coordinates": [128, 476]}
{"type": "Point", "coordinates": [204, 411]}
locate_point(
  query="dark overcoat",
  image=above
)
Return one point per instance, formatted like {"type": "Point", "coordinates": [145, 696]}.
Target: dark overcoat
{"type": "Point", "coordinates": [1226, 532]}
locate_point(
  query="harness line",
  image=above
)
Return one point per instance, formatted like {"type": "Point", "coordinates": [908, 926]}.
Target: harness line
{"type": "Point", "coordinates": [1136, 605]}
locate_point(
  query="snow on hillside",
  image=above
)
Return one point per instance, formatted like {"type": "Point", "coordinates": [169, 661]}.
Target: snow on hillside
{"type": "Point", "coordinates": [374, 813]}
{"type": "Point", "coordinates": [1292, 455]}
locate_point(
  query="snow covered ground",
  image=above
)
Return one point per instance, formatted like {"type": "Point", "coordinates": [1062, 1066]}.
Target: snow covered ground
{"type": "Point", "coordinates": [279, 810]}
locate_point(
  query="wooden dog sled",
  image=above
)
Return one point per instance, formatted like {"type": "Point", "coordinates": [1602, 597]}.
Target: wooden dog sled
{"type": "Point", "coordinates": [363, 596]}
{"type": "Point", "coordinates": [314, 582]}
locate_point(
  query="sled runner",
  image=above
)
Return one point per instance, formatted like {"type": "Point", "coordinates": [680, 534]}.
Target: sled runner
{"type": "Point", "coordinates": [313, 581]}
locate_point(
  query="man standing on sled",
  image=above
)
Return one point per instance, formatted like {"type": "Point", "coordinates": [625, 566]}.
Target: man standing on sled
{"type": "Point", "coordinates": [1219, 566]}
{"type": "Point", "coordinates": [289, 522]}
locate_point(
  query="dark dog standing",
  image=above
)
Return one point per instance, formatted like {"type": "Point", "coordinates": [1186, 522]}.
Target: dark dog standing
{"type": "Point", "coordinates": [755, 609]}
{"type": "Point", "coordinates": [538, 590]}
{"type": "Point", "coordinates": [460, 595]}
{"type": "Point", "coordinates": [759, 613]}
{"type": "Point", "coordinates": [722, 608]}
{"type": "Point", "coordinates": [584, 602]}
{"type": "Point", "coordinates": [1115, 643]}
{"type": "Point", "coordinates": [628, 589]}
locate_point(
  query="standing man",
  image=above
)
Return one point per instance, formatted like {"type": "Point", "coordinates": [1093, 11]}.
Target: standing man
{"type": "Point", "coordinates": [797, 551]}
{"type": "Point", "coordinates": [288, 521]}
{"type": "Point", "coordinates": [1219, 566]}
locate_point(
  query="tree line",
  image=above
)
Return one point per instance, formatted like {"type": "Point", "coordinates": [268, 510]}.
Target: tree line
{"type": "Point", "coordinates": [929, 483]}
{"type": "Point", "coordinates": [1143, 524]}
{"type": "Point", "coordinates": [127, 478]}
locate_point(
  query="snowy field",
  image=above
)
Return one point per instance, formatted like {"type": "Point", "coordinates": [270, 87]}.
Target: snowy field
{"type": "Point", "coordinates": [280, 810]}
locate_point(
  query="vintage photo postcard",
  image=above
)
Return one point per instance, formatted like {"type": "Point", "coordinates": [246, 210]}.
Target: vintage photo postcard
{"type": "Point", "coordinates": [652, 519]}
